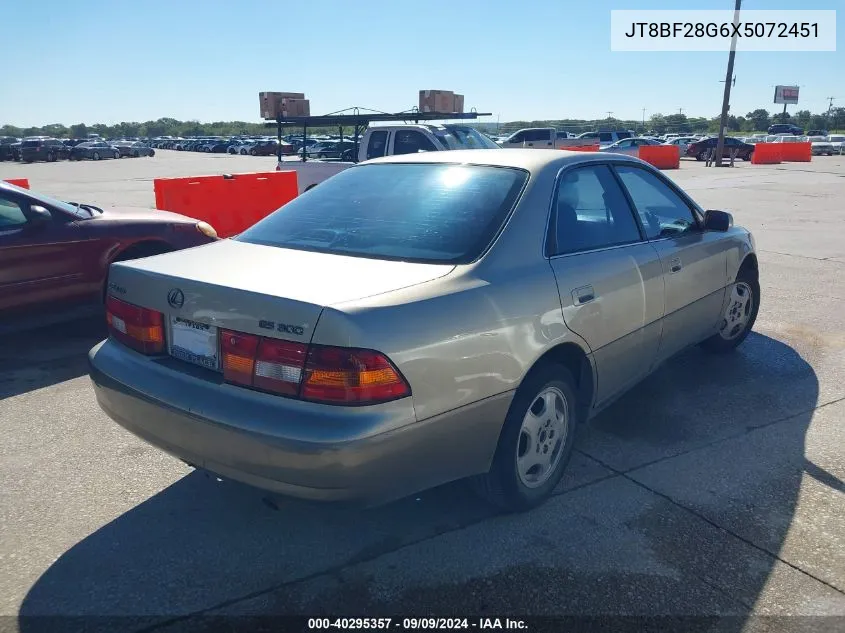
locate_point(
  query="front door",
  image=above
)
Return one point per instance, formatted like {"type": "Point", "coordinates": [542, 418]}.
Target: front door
{"type": "Point", "coordinates": [39, 264]}
{"type": "Point", "coordinates": [694, 261]}
{"type": "Point", "coordinates": [609, 277]}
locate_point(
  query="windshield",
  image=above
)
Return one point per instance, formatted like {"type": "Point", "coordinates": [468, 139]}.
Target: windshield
{"type": "Point", "coordinates": [429, 212]}
{"type": "Point", "coordinates": [463, 137]}
{"type": "Point", "coordinates": [52, 202]}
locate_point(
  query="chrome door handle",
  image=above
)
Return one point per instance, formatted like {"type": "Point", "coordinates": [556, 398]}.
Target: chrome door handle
{"type": "Point", "coordinates": [675, 265]}
{"type": "Point", "coordinates": [583, 295]}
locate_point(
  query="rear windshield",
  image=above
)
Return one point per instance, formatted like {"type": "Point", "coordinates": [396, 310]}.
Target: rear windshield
{"type": "Point", "coordinates": [431, 212]}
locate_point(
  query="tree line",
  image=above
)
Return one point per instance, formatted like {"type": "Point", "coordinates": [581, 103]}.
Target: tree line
{"type": "Point", "coordinates": [756, 121]}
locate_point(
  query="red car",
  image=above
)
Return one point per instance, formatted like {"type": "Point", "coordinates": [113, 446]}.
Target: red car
{"type": "Point", "coordinates": [56, 255]}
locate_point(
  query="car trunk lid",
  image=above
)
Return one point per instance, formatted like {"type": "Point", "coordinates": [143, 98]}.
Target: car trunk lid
{"type": "Point", "coordinates": [258, 289]}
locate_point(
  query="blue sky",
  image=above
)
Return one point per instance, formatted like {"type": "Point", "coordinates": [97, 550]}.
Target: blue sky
{"type": "Point", "coordinates": [113, 60]}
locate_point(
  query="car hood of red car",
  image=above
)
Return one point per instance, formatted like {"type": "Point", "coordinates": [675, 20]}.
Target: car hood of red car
{"type": "Point", "coordinates": [136, 215]}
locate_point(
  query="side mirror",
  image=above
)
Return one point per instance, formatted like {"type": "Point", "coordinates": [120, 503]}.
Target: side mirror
{"type": "Point", "coordinates": [717, 220]}
{"type": "Point", "coordinates": [39, 216]}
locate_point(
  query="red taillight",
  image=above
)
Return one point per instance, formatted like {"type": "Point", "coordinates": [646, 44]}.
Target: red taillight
{"type": "Point", "coordinates": [333, 375]}
{"type": "Point", "coordinates": [343, 375]}
{"type": "Point", "coordinates": [136, 327]}
{"type": "Point", "coordinates": [238, 352]}
{"type": "Point", "coordinates": [279, 365]}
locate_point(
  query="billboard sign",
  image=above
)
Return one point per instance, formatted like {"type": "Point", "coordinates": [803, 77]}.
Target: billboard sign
{"type": "Point", "coordinates": [786, 94]}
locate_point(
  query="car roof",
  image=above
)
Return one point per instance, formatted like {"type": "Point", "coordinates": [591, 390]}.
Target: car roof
{"type": "Point", "coordinates": [533, 160]}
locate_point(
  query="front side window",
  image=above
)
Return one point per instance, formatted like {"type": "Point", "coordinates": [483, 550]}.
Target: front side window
{"type": "Point", "coordinates": [411, 142]}
{"type": "Point", "coordinates": [591, 212]}
{"type": "Point", "coordinates": [11, 214]}
{"type": "Point", "coordinates": [425, 212]}
{"type": "Point", "coordinates": [662, 211]}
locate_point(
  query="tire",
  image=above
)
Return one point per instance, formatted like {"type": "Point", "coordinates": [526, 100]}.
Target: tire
{"type": "Point", "coordinates": [743, 304]}
{"type": "Point", "coordinates": [252, 152]}
{"type": "Point", "coordinates": [243, 152]}
{"type": "Point", "coordinates": [95, 156]}
{"type": "Point", "coordinates": [136, 154]}
{"type": "Point", "coordinates": [117, 154]}
{"type": "Point", "coordinates": [510, 486]}
{"type": "Point", "coordinates": [152, 153]}
{"type": "Point", "coordinates": [51, 157]}
{"type": "Point", "coordinates": [701, 155]}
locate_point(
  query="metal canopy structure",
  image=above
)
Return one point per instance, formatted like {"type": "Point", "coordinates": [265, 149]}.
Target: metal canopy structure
{"type": "Point", "coordinates": [360, 118]}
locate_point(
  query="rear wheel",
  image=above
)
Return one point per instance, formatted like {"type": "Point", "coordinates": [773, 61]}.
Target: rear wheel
{"type": "Point", "coordinates": [252, 152]}
{"type": "Point", "coordinates": [51, 157]}
{"type": "Point", "coordinates": [95, 156]}
{"type": "Point", "coordinates": [739, 315]}
{"type": "Point", "coordinates": [536, 441]}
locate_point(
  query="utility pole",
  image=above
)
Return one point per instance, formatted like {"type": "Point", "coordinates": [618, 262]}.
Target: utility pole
{"type": "Point", "coordinates": [643, 119]}
{"type": "Point", "coordinates": [680, 110]}
{"type": "Point", "coordinates": [830, 105]}
{"type": "Point", "coordinates": [609, 113]}
{"type": "Point", "coordinates": [726, 98]}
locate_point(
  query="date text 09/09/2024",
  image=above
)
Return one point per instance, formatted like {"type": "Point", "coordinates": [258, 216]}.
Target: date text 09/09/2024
{"type": "Point", "coordinates": [414, 624]}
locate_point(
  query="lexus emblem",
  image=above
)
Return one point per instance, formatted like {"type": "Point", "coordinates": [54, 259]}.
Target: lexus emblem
{"type": "Point", "coordinates": [176, 298]}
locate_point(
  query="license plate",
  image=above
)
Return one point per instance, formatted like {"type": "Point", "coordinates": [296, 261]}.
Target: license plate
{"type": "Point", "coordinates": [194, 342]}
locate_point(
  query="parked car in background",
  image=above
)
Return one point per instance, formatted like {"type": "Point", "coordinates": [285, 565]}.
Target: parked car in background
{"type": "Point", "coordinates": [682, 142]}
{"type": "Point", "coordinates": [606, 138]}
{"type": "Point", "coordinates": [629, 145]}
{"type": "Point", "coordinates": [536, 138]}
{"type": "Point", "coordinates": [46, 149]}
{"type": "Point", "coordinates": [56, 254]}
{"type": "Point", "coordinates": [837, 142]}
{"type": "Point", "coordinates": [820, 146]}
{"type": "Point", "coordinates": [410, 353]}
{"type": "Point", "coordinates": [788, 138]}
{"type": "Point", "coordinates": [699, 149]}
{"type": "Point", "coordinates": [6, 147]}
{"type": "Point", "coordinates": [267, 148]}
{"type": "Point", "coordinates": [817, 133]}
{"type": "Point", "coordinates": [133, 148]}
{"type": "Point", "coordinates": [785, 128]}
{"type": "Point", "coordinates": [94, 150]}
{"type": "Point", "coordinates": [334, 149]}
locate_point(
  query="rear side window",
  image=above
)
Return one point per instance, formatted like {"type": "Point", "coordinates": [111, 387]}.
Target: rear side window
{"type": "Point", "coordinates": [31, 144]}
{"type": "Point", "coordinates": [427, 212]}
{"type": "Point", "coordinates": [591, 212]}
{"type": "Point", "coordinates": [411, 142]}
{"type": "Point", "coordinates": [377, 144]}
{"type": "Point", "coordinates": [624, 134]}
{"type": "Point", "coordinates": [605, 137]}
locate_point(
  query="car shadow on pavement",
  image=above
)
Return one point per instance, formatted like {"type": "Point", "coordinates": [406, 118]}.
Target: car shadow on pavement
{"type": "Point", "coordinates": [32, 358]}
{"type": "Point", "coordinates": [696, 475]}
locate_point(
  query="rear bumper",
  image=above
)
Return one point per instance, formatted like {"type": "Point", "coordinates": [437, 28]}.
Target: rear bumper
{"type": "Point", "coordinates": [366, 455]}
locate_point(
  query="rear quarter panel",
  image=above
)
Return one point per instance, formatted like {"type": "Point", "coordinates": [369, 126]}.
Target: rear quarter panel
{"type": "Point", "coordinates": [472, 334]}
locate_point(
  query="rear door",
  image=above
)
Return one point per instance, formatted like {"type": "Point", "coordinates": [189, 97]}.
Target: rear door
{"type": "Point", "coordinates": [609, 277]}
{"type": "Point", "coordinates": [694, 261]}
{"type": "Point", "coordinates": [541, 138]}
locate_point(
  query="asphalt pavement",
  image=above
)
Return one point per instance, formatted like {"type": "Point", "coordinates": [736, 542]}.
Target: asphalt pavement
{"type": "Point", "coordinates": [714, 488]}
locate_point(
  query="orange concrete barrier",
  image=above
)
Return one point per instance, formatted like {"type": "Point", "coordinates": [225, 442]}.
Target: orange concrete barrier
{"type": "Point", "coordinates": [230, 204]}
{"type": "Point", "coordinates": [19, 182]}
{"type": "Point", "coordinates": [767, 154]}
{"type": "Point", "coordinates": [581, 148]}
{"type": "Point", "coordinates": [661, 156]}
{"type": "Point", "coordinates": [796, 152]}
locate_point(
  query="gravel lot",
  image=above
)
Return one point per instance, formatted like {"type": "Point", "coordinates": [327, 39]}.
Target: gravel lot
{"type": "Point", "coordinates": [714, 488]}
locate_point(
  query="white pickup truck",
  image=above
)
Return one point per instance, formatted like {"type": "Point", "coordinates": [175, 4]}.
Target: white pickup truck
{"type": "Point", "coordinates": [389, 140]}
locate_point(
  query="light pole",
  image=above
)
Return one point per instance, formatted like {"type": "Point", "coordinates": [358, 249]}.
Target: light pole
{"type": "Point", "coordinates": [643, 120]}
{"type": "Point", "coordinates": [726, 98]}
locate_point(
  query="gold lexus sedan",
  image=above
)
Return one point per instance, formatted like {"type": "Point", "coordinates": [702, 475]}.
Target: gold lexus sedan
{"type": "Point", "coordinates": [420, 319]}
